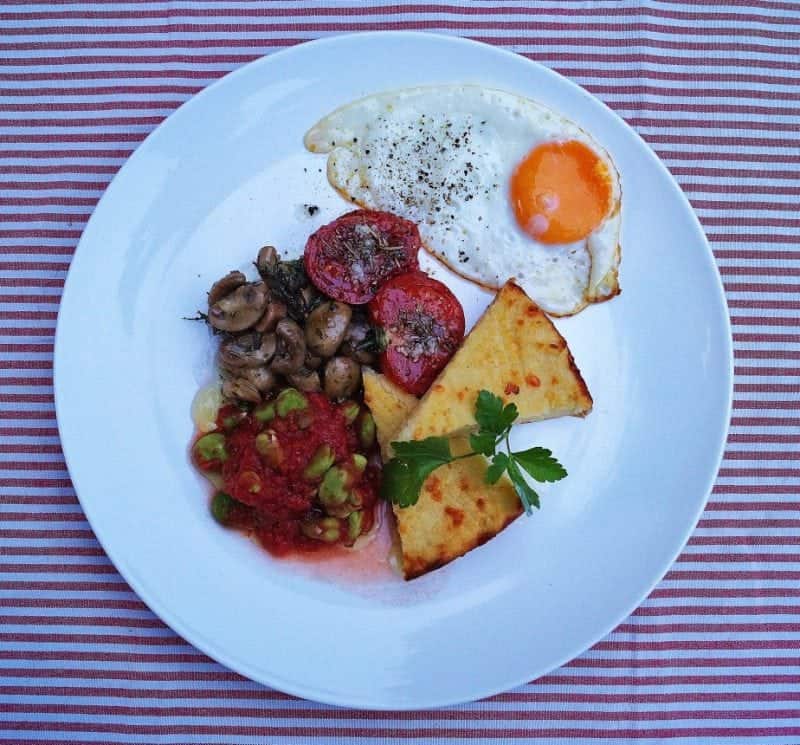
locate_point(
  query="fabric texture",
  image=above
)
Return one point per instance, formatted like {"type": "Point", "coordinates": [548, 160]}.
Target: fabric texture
{"type": "Point", "coordinates": [713, 655]}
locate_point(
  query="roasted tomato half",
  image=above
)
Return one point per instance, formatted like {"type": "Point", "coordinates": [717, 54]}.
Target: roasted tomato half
{"type": "Point", "coordinates": [422, 325]}
{"type": "Point", "coordinates": [351, 257]}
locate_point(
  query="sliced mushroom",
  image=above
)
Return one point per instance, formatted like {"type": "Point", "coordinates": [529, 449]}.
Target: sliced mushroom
{"type": "Point", "coordinates": [240, 309]}
{"type": "Point", "coordinates": [342, 377]}
{"type": "Point", "coordinates": [261, 377]}
{"type": "Point", "coordinates": [356, 342]}
{"type": "Point", "coordinates": [225, 286]}
{"type": "Point", "coordinates": [267, 260]}
{"type": "Point", "coordinates": [274, 312]}
{"type": "Point", "coordinates": [326, 326]}
{"type": "Point", "coordinates": [305, 380]}
{"type": "Point", "coordinates": [247, 350]}
{"type": "Point", "coordinates": [291, 348]}
{"type": "Point", "coordinates": [240, 389]}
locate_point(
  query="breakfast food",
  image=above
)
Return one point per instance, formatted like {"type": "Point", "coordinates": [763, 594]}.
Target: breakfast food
{"type": "Point", "coordinates": [296, 471]}
{"type": "Point", "coordinates": [390, 406]}
{"type": "Point", "coordinates": [302, 435]}
{"type": "Point", "coordinates": [285, 439]}
{"type": "Point", "coordinates": [420, 323]}
{"type": "Point", "coordinates": [290, 450]}
{"type": "Point", "coordinates": [500, 186]}
{"type": "Point", "coordinates": [456, 510]}
{"type": "Point", "coordinates": [350, 258]}
{"type": "Point", "coordinates": [447, 496]}
{"type": "Point", "coordinates": [515, 352]}
{"type": "Point", "coordinates": [280, 330]}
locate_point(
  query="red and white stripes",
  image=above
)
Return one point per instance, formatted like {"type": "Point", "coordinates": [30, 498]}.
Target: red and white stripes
{"type": "Point", "coordinates": [712, 656]}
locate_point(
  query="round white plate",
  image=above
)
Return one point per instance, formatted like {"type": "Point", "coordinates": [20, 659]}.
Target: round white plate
{"type": "Point", "coordinates": [227, 173]}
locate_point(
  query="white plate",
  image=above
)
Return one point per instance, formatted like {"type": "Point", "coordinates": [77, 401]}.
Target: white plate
{"type": "Point", "coordinates": [226, 173]}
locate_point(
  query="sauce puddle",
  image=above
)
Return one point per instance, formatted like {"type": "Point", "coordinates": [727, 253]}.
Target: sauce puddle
{"type": "Point", "coordinates": [376, 562]}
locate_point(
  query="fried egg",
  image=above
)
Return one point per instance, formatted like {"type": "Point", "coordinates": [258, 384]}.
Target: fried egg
{"type": "Point", "coordinates": [501, 187]}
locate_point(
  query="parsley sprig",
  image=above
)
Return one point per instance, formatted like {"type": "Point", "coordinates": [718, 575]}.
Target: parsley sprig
{"type": "Point", "coordinates": [414, 461]}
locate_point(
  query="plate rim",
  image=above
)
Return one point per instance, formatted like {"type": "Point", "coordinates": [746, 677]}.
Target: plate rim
{"type": "Point", "coordinates": [242, 667]}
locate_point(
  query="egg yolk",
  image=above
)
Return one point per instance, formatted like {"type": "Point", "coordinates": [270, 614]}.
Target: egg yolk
{"type": "Point", "coordinates": [560, 192]}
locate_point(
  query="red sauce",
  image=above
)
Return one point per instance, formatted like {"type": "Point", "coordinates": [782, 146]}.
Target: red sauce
{"type": "Point", "coordinates": [376, 561]}
{"type": "Point", "coordinates": [273, 498]}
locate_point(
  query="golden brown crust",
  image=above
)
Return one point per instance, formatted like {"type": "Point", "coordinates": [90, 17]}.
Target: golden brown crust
{"type": "Point", "coordinates": [416, 567]}
{"type": "Point", "coordinates": [610, 281]}
{"type": "Point", "coordinates": [581, 383]}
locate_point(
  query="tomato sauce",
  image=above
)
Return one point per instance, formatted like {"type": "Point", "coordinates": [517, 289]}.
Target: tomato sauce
{"type": "Point", "coordinates": [265, 472]}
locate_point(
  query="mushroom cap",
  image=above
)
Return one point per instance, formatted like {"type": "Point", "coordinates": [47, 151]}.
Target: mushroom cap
{"type": "Point", "coordinates": [240, 309]}
{"type": "Point", "coordinates": [291, 348]}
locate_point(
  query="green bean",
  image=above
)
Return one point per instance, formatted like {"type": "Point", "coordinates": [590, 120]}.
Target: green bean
{"type": "Point", "coordinates": [269, 447]}
{"type": "Point", "coordinates": [320, 462]}
{"type": "Point", "coordinates": [355, 501]}
{"type": "Point", "coordinates": [350, 410]}
{"type": "Point", "coordinates": [290, 399]}
{"type": "Point", "coordinates": [354, 524]}
{"type": "Point", "coordinates": [338, 496]}
{"type": "Point", "coordinates": [211, 447]}
{"type": "Point", "coordinates": [265, 412]}
{"type": "Point", "coordinates": [366, 431]}
{"type": "Point", "coordinates": [234, 420]}
{"type": "Point", "coordinates": [221, 506]}
{"type": "Point", "coordinates": [335, 487]}
{"type": "Point", "coordinates": [326, 529]}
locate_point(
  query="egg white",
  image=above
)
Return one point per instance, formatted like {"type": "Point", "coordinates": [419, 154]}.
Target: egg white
{"type": "Point", "coordinates": [443, 157]}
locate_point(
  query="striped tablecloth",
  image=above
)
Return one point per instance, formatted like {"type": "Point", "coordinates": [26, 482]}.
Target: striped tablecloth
{"type": "Point", "coordinates": [712, 656]}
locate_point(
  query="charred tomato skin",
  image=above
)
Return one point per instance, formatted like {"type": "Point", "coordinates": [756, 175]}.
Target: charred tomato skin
{"type": "Point", "coordinates": [422, 324]}
{"type": "Point", "coordinates": [350, 258]}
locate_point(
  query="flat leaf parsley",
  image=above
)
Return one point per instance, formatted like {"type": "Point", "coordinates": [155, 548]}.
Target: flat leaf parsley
{"type": "Point", "coordinates": [414, 461]}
